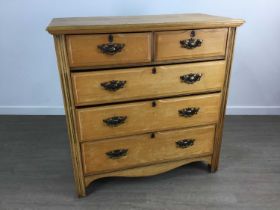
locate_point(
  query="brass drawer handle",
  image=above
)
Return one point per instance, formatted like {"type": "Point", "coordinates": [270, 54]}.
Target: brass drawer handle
{"type": "Point", "coordinates": [116, 154]}
{"type": "Point", "coordinates": [185, 143]}
{"type": "Point", "coordinates": [111, 48]}
{"type": "Point", "coordinates": [115, 121]}
{"type": "Point", "coordinates": [113, 85]}
{"type": "Point", "coordinates": [191, 43]}
{"type": "Point", "coordinates": [188, 112]}
{"type": "Point", "coordinates": [191, 78]}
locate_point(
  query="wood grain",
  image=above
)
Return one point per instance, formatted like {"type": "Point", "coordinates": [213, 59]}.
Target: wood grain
{"type": "Point", "coordinates": [83, 25]}
{"type": "Point", "coordinates": [168, 45]}
{"type": "Point", "coordinates": [142, 117]}
{"type": "Point", "coordinates": [143, 150]}
{"type": "Point", "coordinates": [141, 83]}
{"type": "Point", "coordinates": [83, 49]}
{"type": "Point", "coordinates": [148, 170]}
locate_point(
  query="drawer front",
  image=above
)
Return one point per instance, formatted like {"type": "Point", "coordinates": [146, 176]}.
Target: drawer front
{"type": "Point", "coordinates": [139, 83]}
{"type": "Point", "coordinates": [141, 117]}
{"type": "Point", "coordinates": [139, 150]}
{"type": "Point", "coordinates": [104, 49]}
{"type": "Point", "coordinates": [205, 43]}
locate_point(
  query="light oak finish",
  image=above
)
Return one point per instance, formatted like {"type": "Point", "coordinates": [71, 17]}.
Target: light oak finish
{"type": "Point", "coordinates": [143, 83]}
{"type": "Point", "coordinates": [142, 117]}
{"type": "Point", "coordinates": [86, 25]}
{"type": "Point", "coordinates": [151, 97]}
{"type": "Point", "coordinates": [148, 170]}
{"type": "Point", "coordinates": [219, 129]}
{"type": "Point", "coordinates": [168, 45]}
{"type": "Point", "coordinates": [64, 71]}
{"type": "Point", "coordinates": [144, 150]}
{"type": "Point", "coordinates": [83, 49]}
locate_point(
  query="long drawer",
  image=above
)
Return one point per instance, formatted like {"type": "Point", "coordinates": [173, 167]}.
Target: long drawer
{"type": "Point", "coordinates": [191, 44]}
{"type": "Point", "coordinates": [141, 117]}
{"type": "Point", "coordinates": [109, 86]}
{"type": "Point", "coordinates": [108, 49]}
{"type": "Point", "coordinates": [138, 150]}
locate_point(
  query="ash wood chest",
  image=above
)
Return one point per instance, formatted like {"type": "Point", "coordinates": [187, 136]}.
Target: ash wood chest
{"type": "Point", "coordinates": [143, 94]}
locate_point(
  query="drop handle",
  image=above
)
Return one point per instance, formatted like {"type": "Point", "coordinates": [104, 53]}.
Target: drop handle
{"type": "Point", "coordinates": [191, 43]}
{"type": "Point", "coordinates": [191, 78]}
{"type": "Point", "coordinates": [111, 48]}
{"type": "Point", "coordinates": [115, 121]}
{"type": "Point", "coordinates": [185, 143]}
{"type": "Point", "coordinates": [113, 85]}
{"type": "Point", "coordinates": [188, 112]}
{"type": "Point", "coordinates": [116, 154]}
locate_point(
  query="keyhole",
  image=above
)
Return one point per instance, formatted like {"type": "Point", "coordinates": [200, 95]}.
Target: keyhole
{"type": "Point", "coordinates": [110, 38]}
{"type": "Point", "coordinates": [154, 104]}
{"type": "Point", "coordinates": [192, 33]}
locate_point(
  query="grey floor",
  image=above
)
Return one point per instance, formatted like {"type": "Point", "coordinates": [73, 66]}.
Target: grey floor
{"type": "Point", "coordinates": [35, 171]}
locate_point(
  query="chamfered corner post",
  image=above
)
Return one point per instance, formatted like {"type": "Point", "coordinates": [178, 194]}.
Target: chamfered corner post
{"type": "Point", "coordinates": [69, 107]}
{"type": "Point", "coordinates": [219, 127]}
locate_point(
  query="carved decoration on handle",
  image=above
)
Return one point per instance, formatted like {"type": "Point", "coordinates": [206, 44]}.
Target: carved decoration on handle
{"type": "Point", "coordinates": [191, 78]}
{"type": "Point", "coordinates": [111, 48]}
{"type": "Point", "coordinates": [116, 154]}
{"type": "Point", "coordinates": [188, 112]}
{"type": "Point", "coordinates": [191, 43]}
{"type": "Point", "coordinates": [185, 143]}
{"type": "Point", "coordinates": [113, 85]}
{"type": "Point", "coordinates": [115, 121]}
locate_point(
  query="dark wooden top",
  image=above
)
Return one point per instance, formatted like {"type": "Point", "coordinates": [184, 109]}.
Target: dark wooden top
{"type": "Point", "coordinates": [80, 25]}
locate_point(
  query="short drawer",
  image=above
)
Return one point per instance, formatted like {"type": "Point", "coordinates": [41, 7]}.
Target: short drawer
{"type": "Point", "coordinates": [145, 149]}
{"type": "Point", "coordinates": [106, 49]}
{"type": "Point", "coordinates": [99, 87]}
{"type": "Point", "coordinates": [197, 44]}
{"type": "Point", "coordinates": [141, 117]}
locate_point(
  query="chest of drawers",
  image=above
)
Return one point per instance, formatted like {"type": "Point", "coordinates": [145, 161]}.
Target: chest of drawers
{"type": "Point", "coordinates": [143, 95]}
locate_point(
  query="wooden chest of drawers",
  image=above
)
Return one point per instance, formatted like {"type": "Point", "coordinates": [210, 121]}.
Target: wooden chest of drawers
{"type": "Point", "coordinates": [143, 95]}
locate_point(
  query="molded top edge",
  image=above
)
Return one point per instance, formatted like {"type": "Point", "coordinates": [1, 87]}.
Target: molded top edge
{"type": "Point", "coordinates": [111, 24]}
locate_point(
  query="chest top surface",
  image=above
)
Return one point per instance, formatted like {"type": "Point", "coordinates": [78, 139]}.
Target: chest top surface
{"type": "Point", "coordinates": [85, 25]}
